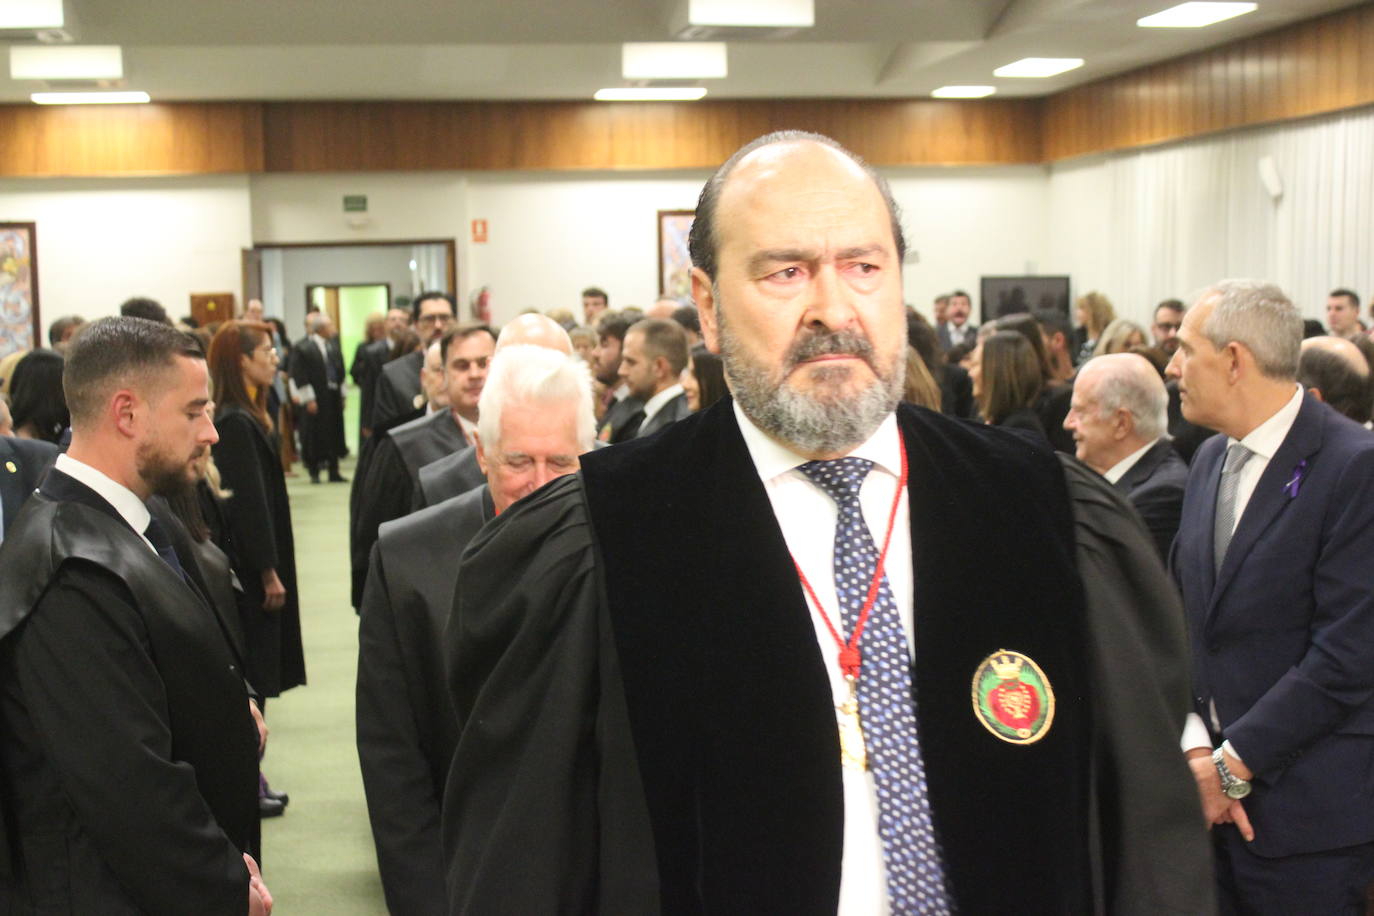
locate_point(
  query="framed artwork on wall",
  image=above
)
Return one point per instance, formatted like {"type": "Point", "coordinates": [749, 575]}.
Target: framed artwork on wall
{"type": "Point", "coordinates": [674, 263]}
{"type": "Point", "coordinates": [19, 322]}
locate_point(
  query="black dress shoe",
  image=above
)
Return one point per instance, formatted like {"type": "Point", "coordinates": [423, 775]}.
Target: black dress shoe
{"type": "Point", "coordinates": [337, 478]}
{"type": "Point", "coordinates": [279, 796]}
{"type": "Point", "coordinates": [270, 807]}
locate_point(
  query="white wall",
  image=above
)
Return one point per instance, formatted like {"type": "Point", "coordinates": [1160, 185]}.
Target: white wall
{"type": "Point", "coordinates": [101, 241]}
{"type": "Point", "coordinates": [287, 271]}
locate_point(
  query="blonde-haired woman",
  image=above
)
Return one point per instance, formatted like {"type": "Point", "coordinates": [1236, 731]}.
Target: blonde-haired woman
{"type": "Point", "coordinates": [1093, 311]}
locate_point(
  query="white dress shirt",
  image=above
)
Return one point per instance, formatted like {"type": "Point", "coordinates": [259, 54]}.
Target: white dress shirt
{"type": "Point", "coordinates": [468, 428]}
{"type": "Point", "coordinates": [124, 500]}
{"type": "Point", "coordinates": [657, 402]}
{"type": "Point", "coordinates": [807, 516]}
{"type": "Point", "coordinates": [1118, 470]}
{"type": "Point", "coordinates": [1264, 440]}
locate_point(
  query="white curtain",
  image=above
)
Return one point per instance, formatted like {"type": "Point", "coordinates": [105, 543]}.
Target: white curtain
{"type": "Point", "coordinates": [431, 268]}
{"type": "Point", "coordinates": [1146, 225]}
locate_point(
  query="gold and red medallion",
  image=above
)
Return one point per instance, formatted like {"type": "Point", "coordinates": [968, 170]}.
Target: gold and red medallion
{"type": "Point", "coordinates": [1012, 698]}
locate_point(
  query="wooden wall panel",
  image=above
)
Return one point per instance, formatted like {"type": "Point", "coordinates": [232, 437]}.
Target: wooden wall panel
{"type": "Point", "coordinates": [1319, 66]}
{"type": "Point", "coordinates": [366, 136]}
{"type": "Point", "coordinates": [97, 140]}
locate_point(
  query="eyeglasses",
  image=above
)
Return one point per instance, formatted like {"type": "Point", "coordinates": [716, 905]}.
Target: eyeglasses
{"type": "Point", "coordinates": [270, 351]}
{"type": "Point", "coordinates": [438, 316]}
{"type": "Point", "coordinates": [1166, 326]}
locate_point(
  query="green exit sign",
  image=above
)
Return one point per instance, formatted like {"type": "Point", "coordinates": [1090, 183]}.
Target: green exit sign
{"type": "Point", "coordinates": [355, 203]}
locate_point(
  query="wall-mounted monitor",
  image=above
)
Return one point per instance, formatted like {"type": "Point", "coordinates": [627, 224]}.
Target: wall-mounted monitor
{"type": "Point", "coordinates": [1009, 295]}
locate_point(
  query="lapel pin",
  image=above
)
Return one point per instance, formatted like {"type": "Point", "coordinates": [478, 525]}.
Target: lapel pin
{"type": "Point", "coordinates": [1291, 488]}
{"type": "Point", "coordinates": [10, 466]}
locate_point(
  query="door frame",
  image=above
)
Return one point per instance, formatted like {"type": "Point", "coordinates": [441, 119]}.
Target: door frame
{"type": "Point", "coordinates": [251, 260]}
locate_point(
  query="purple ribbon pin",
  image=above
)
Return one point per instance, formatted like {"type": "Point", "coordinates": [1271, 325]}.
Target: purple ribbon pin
{"type": "Point", "coordinates": [1291, 488]}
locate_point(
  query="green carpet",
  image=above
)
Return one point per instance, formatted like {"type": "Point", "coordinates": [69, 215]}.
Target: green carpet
{"type": "Point", "coordinates": [319, 857]}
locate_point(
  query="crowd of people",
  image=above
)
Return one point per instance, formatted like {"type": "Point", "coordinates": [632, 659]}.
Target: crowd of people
{"type": "Point", "coordinates": [628, 645]}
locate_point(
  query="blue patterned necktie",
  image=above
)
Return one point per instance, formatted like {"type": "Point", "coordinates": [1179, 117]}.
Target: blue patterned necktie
{"type": "Point", "coordinates": [887, 706]}
{"type": "Point", "coordinates": [162, 543]}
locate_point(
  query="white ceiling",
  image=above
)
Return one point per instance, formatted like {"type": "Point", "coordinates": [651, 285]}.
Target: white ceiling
{"type": "Point", "coordinates": [180, 50]}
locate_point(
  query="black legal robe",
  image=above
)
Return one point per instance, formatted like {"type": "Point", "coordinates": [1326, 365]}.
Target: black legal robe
{"type": "Point", "coordinates": [127, 752]}
{"type": "Point", "coordinates": [650, 730]}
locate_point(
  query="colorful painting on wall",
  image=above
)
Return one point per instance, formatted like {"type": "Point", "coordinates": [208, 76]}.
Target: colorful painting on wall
{"type": "Point", "coordinates": [19, 325]}
{"type": "Point", "coordinates": [674, 263]}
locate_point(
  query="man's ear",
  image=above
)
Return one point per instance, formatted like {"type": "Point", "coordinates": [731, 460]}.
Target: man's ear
{"type": "Point", "coordinates": [705, 301]}
{"type": "Point", "coordinates": [481, 454]}
{"type": "Point", "coordinates": [125, 407]}
{"type": "Point", "coordinates": [1317, 393]}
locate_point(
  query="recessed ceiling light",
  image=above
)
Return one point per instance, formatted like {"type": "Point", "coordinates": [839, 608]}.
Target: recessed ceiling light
{"type": "Point", "coordinates": [1039, 67]}
{"type": "Point", "coordinates": [673, 60]}
{"type": "Point", "coordinates": [685, 94]}
{"type": "Point", "coordinates": [66, 62]}
{"type": "Point", "coordinates": [1195, 15]}
{"type": "Point", "coordinates": [31, 14]}
{"type": "Point", "coordinates": [963, 92]}
{"type": "Point", "coordinates": [89, 98]}
{"type": "Point", "coordinates": [752, 13]}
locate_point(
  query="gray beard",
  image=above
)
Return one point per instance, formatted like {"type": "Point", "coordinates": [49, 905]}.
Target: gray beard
{"type": "Point", "coordinates": [810, 424]}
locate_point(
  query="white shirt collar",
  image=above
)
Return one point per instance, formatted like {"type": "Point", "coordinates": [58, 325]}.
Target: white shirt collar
{"type": "Point", "coordinates": [621, 392]}
{"type": "Point", "coordinates": [655, 403]}
{"type": "Point", "coordinates": [124, 500]}
{"type": "Point", "coordinates": [773, 459]}
{"type": "Point", "coordinates": [468, 428]}
{"type": "Point", "coordinates": [1264, 440]}
{"type": "Point", "coordinates": [1118, 470]}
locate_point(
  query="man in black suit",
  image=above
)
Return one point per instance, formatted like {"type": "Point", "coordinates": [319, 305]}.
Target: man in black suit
{"type": "Point", "coordinates": [317, 372]}
{"type": "Point", "coordinates": [1119, 420]}
{"type": "Point", "coordinates": [699, 729]}
{"type": "Point", "coordinates": [399, 383]}
{"type": "Point", "coordinates": [128, 747]}
{"type": "Point", "coordinates": [406, 726]}
{"type": "Point", "coordinates": [23, 463]}
{"type": "Point", "coordinates": [1272, 557]}
{"type": "Point", "coordinates": [651, 363]}
{"type": "Point", "coordinates": [957, 328]}
{"type": "Point", "coordinates": [396, 458]}
{"type": "Point", "coordinates": [617, 404]}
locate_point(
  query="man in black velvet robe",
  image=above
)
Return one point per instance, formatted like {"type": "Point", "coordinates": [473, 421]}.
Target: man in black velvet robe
{"type": "Point", "coordinates": [654, 730]}
{"type": "Point", "coordinates": [128, 746]}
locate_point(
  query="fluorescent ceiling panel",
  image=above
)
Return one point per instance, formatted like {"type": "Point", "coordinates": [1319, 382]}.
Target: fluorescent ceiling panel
{"type": "Point", "coordinates": [1039, 67]}
{"type": "Point", "coordinates": [66, 62]}
{"type": "Point", "coordinates": [963, 92]}
{"type": "Point", "coordinates": [1195, 15]}
{"type": "Point", "coordinates": [755, 13]}
{"type": "Point", "coordinates": [31, 14]}
{"type": "Point", "coordinates": [673, 60]}
{"type": "Point", "coordinates": [649, 95]}
{"type": "Point", "coordinates": [89, 98]}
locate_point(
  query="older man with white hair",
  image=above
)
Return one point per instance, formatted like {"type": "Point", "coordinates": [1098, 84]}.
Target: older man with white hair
{"type": "Point", "coordinates": [1119, 420]}
{"type": "Point", "coordinates": [535, 420]}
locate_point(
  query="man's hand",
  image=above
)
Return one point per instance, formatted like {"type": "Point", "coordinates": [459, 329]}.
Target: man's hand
{"type": "Point", "coordinates": [1217, 808]}
{"type": "Point", "coordinates": [312, 408]}
{"type": "Point", "coordinates": [259, 897]}
{"type": "Point", "coordinates": [274, 593]}
{"type": "Point", "coordinates": [260, 723]}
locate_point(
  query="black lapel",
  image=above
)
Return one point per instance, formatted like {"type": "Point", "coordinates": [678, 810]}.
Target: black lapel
{"type": "Point", "coordinates": [12, 487]}
{"type": "Point", "coordinates": [1146, 466]}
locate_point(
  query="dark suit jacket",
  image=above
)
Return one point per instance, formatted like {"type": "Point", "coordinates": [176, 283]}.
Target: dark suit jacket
{"type": "Point", "coordinates": [1283, 637]}
{"type": "Point", "coordinates": [619, 422]}
{"type": "Point", "coordinates": [669, 413]}
{"type": "Point", "coordinates": [322, 433]}
{"type": "Point", "coordinates": [942, 332]}
{"type": "Point", "coordinates": [406, 726]}
{"type": "Point", "coordinates": [23, 462]}
{"type": "Point", "coordinates": [397, 387]}
{"type": "Point", "coordinates": [130, 759]}
{"type": "Point", "coordinates": [450, 476]}
{"type": "Point", "coordinates": [956, 392]}
{"type": "Point", "coordinates": [1155, 485]}
{"type": "Point", "coordinates": [368, 360]}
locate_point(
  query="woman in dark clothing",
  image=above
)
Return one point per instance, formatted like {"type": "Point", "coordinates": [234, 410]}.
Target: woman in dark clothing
{"type": "Point", "coordinates": [242, 364]}
{"type": "Point", "coordinates": [37, 403]}
{"type": "Point", "coordinates": [1006, 381]}
{"type": "Point", "coordinates": [956, 392]}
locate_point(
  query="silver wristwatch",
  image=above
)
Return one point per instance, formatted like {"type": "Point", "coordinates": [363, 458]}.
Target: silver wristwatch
{"type": "Point", "coordinates": [1231, 784]}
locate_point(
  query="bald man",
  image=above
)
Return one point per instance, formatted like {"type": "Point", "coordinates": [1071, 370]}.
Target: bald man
{"type": "Point", "coordinates": [1337, 373]}
{"type": "Point", "coordinates": [459, 472]}
{"type": "Point", "coordinates": [1119, 420]}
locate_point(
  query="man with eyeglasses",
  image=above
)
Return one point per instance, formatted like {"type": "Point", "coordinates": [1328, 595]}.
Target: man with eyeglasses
{"type": "Point", "coordinates": [399, 383]}
{"type": "Point", "coordinates": [392, 471]}
{"type": "Point", "coordinates": [1168, 319]}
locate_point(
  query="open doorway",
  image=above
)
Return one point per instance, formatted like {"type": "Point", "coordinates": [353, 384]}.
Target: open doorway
{"type": "Point", "coordinates": [348, 306]}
